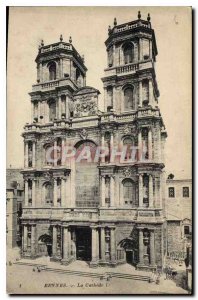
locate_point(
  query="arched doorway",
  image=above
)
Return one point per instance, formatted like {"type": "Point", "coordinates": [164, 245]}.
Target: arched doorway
{"type": "Point", "coordinates": [45, 245]}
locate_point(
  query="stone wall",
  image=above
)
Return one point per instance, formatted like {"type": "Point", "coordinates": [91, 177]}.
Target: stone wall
{"type": "Point", "coordinates": [174, 236]}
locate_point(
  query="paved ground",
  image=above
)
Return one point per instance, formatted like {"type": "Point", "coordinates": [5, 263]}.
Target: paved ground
{"type": "Point", "coordinates": [22, 279]}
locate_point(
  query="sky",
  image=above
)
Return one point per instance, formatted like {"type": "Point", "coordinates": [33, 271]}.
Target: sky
{"type": "Point", "coordinates": [88, 27]}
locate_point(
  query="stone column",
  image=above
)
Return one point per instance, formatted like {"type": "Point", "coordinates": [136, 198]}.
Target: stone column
{"type": "Point", "coordinates": [33, 154]}
{"type": "Point", "coordinates": [55, 192]}
{"type": "Point", "coordinates": [150, 146]}
{"type": "Point", "coordinates": [59, 107]}
{"type": "Point", "coordinates": [112, 191]}
{"type": "Point", "coordinates": [33, 240]}
{"type": "Point", "coordinates": [150, 190]}
{"type": "Point", "coordinates": [141, 247]}
{"type": "Point", "coordinates": [140, 144]}
{"type": "Point", "coordinates": [102, 243]}
{"type": "Point", "coordinates": [61, 68]}
{"type": "Point", "coordinates": [26, 155]}
{"type": "Point", "coordinates": [67, 107]}
{"type": "Point", "coordinates": [32, 111]}
{"type": "Point", "coordinates": [41, 72]}
{"type": "Point", "coordinates": [140, 49]}
{"type": "Point", "coordinates": [39, 110]}
{"type": "Point", "coordinates": [159, 144]}
{"type": "Point", "coordinates": [140, 190]}
{"type": "Point", "coordinates": [67, 192]}
{"type": "Point", "coordinates": [63, 152]}
{"type": "Point", "coordinates": [150, 92]}
{"type": "Point", "coordinates": [55, 153]}
{"type": "Point", "coordinates": [152, 247]}
{"type": "Point", "coordinates": [150, 49]}
{"type": "Point", "coordinates": [121, 194]}
{"type": "Point", "coordinates": [102, 145]}
{"type": "Point", "coordinates": [111, 146]}
{"type": "Point", "coordinates": [24, 238]}
{"type": "Point", "coordinates": [46, 112]}
{"type": "Point", "coordinates": [62, 191]}
{"type": "Point", "coordinates": [72, 183]}
{"type": "Point", "coordinates": [26, 193]}
{"type": "Point", "coordinates": [102, 190]}
{"type": "Point", "coordinates": [54, 247]}
{"type": "Point", "coordinates": [113, 246]}
{"type": "Point", "coordinates": [105, 99]}
{"type": "Point", "coordinates": [95, 247]}
{"type": "Point", "coordinates": [33, 192]}
{"type": "Point", "coordinates": [160, 192]}
{"type": "Point", "coordinates": [66, 245]}
{"type": "Point", "coordinates": [140, 93]}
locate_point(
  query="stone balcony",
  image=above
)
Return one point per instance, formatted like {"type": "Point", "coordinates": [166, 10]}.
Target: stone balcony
{"type": "Point", "coordinates": [148, 214]}
{"type": "Point", "coordinates": [129, 68]}
{"type": "Point", "coordinates": [102, 214]}
{"type": "Point", "coordinates": [53, 84]}
{"type": "Point", "coordinates": [89, 121]}
{"type": "Point", "coordinates": [130, 116]}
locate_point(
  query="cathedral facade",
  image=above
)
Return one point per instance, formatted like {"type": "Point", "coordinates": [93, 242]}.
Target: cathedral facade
{"type": "Point", "coordinates": [94, 178]}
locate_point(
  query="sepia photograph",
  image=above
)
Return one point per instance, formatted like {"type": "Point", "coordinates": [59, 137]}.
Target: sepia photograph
{"type": "Point", "coordinates": [99, 150]}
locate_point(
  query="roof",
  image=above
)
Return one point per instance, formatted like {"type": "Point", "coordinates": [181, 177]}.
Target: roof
{"type": "Point", "coordinates": [87, 90]}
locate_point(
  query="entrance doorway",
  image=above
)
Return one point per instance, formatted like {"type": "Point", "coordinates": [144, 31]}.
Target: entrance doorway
{"type": "Point", "coordinates": [83, 244]}
{"type": "Point", "coordinates": [131, 257]}
{"type": "Point", "coordinates": [45, 245]}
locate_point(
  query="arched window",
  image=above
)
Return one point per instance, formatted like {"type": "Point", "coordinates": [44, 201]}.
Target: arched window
{"type": "Point", "coordinates": [52, 71]}
{"type": "Point", "coordinates": [110, 57]}
{"type": "Point", "coordinates": [107, 138]}
{"type": "Point", "coordinates": [30, 154]}
{"type": "Point", "coordinates": [52, 110]}
{"type": "Point", "coordinates": [129, 192]}
{"type": "Point", "coordinates": [59, 192]}
{"type": "Point", "coordinates": [29, 192]}
{"type": "Point", "coordinates": [48, 193]}
{"type": "Point", "coordinates": [107, 190]}
{"type": "Point", "coordinates": [145, 154]}
{"type": "Point", "coordinates": [59, 151]}
{"type": "Point", "coordinates": [36, 111]}
{"type": "Point", "coordinates": [79, 78]}
{"type": "Point", "coordinates": [128, 99]}
{"type": "Point", "coordinates": [146, 190]}
{"type": "Point", "coordinates": [49, 154]}
{"type": "Point", "coordinates": [109, 98]}
{"type": "Point", "coordinates": [128, 144]}
{"type": "Point", "coordinates": [86, 175]}
{"type": "Point", "coordinates": [128, 53]}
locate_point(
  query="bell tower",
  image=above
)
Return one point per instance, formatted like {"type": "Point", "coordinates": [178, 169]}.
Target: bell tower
{"type": "Point", "coordinates": [60, 72]}
{"type": "Point", "coordinates": [130, 73]}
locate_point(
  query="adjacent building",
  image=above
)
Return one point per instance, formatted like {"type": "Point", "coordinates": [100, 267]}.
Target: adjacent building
{"type": "Point", "coordinates": [14, 204]}
{"type": "Point", "coordinates": [106, 211]}
{"type": "Point", "coordinates": [179, 216]}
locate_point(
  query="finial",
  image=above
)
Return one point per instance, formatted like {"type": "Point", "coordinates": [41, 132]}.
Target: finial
{"type": "Point", "coordinates": [39, 47]}
{"type": "Point", "coordinates": [61, 38]}
{"type": "Point", "coordinates": [139, 15]}
{"type": "Point", "coordinates": [109, 29]}
{"type": "Point", "coordinates": [70, 39]}
{"type": "Point", "coordinates": [42, 43]}
{"type": "Point", "coordinates": [115, 22]}
{"type": "Point", "coordinates": [148, 18]}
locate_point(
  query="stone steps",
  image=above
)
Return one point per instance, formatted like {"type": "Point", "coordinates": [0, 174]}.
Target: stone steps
{"type": "Point", "coordinates": [104, 275]}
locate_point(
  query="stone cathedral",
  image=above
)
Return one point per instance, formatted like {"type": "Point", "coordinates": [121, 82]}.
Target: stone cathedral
{"type": "Point", "coordinates": [107, 211]}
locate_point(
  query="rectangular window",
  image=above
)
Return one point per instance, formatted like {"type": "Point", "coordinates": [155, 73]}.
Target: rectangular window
{"type": "Point", "coordinates": [171, 192]}
{"type": "Point", "coordinates": [186, 192]}
{"type": "Point", "coordinates": [186, 230]}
